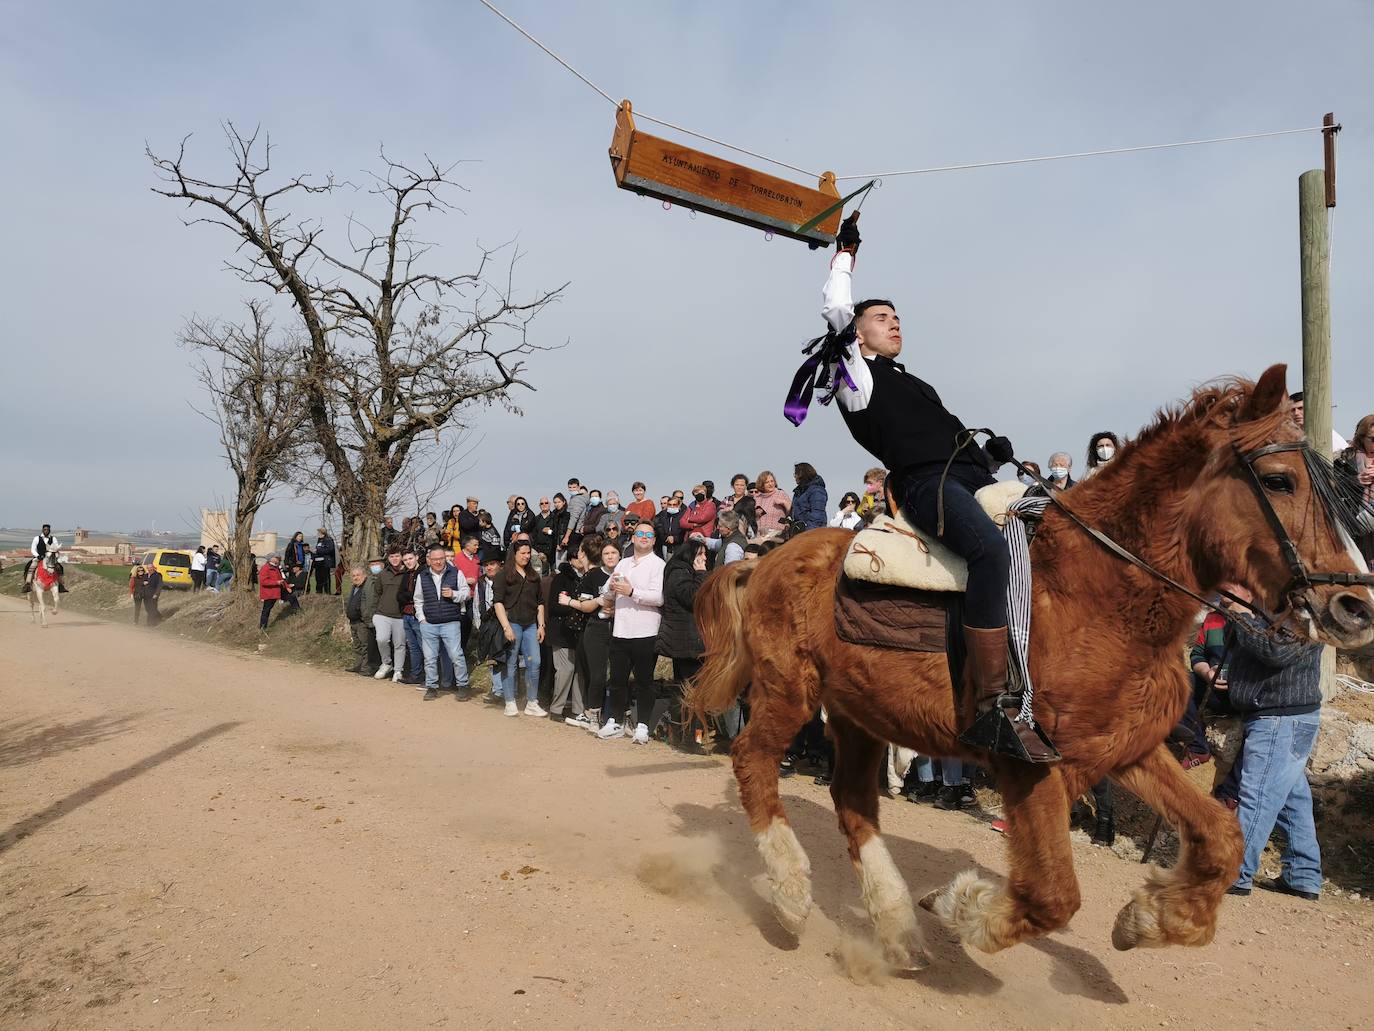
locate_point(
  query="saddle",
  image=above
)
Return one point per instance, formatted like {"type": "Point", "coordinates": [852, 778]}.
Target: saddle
{"type": "Point", "coordinates": [893, 553]}
{"type": "Point", "coordinates": [901, 588]}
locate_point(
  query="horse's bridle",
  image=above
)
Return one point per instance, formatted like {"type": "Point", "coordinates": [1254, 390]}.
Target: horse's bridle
{"type": "Point", "coordinates": [1302, 580]}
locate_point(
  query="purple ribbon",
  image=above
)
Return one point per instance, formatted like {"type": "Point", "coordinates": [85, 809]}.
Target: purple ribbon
{"type": "Point", "coordinates": [815, 374]}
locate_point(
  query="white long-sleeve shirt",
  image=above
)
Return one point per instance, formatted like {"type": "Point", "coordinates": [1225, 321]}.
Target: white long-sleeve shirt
{"type": "Point", "coordinates": [837, 305]}
{"type": "Point", "coordinates": [50, 542]}
{"type": "Point", "coordinates": [639, 613]}
{"type": "Point", "coordinates": [460, 593]}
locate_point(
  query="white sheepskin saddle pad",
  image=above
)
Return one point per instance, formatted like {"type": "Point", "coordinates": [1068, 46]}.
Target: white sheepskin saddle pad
{"type": "Point", "coordinates": [892, 552]}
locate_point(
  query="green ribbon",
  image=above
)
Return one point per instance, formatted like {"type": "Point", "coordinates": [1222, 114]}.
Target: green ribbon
{"type": "Point", "coordinates": [811, 224]}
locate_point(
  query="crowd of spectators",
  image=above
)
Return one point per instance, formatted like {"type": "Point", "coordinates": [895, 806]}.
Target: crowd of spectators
{"type": "Point", "coordinates": [570, 603]}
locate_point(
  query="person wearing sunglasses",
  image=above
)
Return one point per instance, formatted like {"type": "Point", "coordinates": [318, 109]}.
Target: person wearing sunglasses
{"type": "Point", "coordinates": [637, 587]}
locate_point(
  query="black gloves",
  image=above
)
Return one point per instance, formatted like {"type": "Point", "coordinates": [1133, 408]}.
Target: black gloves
{"type": "Point", "coordinates": [848, 237]}
{"type": "Point", "coordinates": [999, 449]}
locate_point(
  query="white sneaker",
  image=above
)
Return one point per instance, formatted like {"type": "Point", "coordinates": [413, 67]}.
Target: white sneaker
{"type": "Point", "coordinates": [511, 709]}
{"type": "Point", "coordinates": [534, 709]}
{"type": "Point", "coordinates": [580, 720]}
{"type": "Point", "coordinates": [383, 671]}
{"type": "Point", "coordinates": [641, 734]}
{"type": "Point", "coordinates": [610, 730]}
{"type": "Point", "coordinates": [397, 677]}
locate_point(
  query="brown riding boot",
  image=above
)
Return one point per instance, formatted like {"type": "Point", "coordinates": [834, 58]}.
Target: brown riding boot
{"type": "Point", "coordinates": [994, 727]}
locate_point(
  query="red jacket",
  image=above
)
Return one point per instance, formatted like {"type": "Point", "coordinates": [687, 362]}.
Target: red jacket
{"type": "Point", "coordinates": [699, 517]}
{"type": "Point", "coordinates": [269, 583]}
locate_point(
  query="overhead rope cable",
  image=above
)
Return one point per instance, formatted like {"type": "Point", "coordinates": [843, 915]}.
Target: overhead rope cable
{"type": "Point", "coordinates": [1081, 154]}
{"type": "Point", "coordinates": [639, 114]}
{"type": "Point", "coordinates": [905, 171]}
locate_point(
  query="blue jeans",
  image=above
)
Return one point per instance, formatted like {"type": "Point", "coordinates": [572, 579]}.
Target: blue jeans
{"type": "Point", "coordinates": [415, 655]}
{"type": "Point", "coordinates": [951, 771]}
{"type": "Point", "coordinates": [1274, 790]}
{"type": "Point", "coordinates": [972, 535]}
{"type": "Point", "coordinates": [449, 635]}
{"type": "Point", "coordinates": [526, 643]}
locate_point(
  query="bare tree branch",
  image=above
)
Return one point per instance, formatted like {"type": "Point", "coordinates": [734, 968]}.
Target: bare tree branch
{"type": "Point", "coordinates": [255, 397]}
{"type": "Point", "coordinates": [394, 351]}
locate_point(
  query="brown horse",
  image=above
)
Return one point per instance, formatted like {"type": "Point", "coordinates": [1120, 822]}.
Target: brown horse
{"type": "Point", "coordinates": [1106, 657]}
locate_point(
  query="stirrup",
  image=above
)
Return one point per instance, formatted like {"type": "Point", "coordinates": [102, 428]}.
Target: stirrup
{"type": "Point", "coordinates": [995, 731]}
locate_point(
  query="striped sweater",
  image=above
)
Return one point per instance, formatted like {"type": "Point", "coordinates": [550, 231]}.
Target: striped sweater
{"type": "Point", "coordinates": [1272, 673]}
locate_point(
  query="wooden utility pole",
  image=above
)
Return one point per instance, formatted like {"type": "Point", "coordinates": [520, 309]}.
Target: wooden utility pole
{"type": "Point", "coordinates": [1315, 255]}
{"type": "Point", "coordinates": [1317, 193]}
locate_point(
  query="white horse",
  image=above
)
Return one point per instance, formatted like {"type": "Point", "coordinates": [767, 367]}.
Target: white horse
{"type": "Point", "coordinates": [47, 579]}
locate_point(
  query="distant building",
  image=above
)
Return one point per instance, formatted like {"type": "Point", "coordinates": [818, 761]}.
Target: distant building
{"type": "Point", "coordinates": [98, 550]}
{"type": "Point", "coordinates": [215, 533]}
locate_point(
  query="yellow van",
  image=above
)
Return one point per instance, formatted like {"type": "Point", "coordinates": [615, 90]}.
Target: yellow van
{"type": "Point", "coordinates": [175, 566]}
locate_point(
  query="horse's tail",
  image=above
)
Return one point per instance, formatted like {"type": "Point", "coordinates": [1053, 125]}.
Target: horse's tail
{"type": "Point", "coordinates": [720, 619]}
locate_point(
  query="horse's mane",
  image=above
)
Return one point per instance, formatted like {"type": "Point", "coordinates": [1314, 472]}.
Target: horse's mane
{"type": "Point", "coordinates": [1172, 450]}
{"type": "Point", "coordinates": [1215, 405]}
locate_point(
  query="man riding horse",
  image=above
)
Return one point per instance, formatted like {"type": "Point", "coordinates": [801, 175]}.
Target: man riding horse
{"type": "Point", "coordinates": [935, 471]}
{"type": "Point", "coordinates": [43, 544]}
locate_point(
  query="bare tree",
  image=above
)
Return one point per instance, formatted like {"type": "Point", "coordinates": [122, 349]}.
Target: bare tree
{"type": "Point", "coordinates": [255, 396]}
{"type": "Point", "coordinates": [393, 353]}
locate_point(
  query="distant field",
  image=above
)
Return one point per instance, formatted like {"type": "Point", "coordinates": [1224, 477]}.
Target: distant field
{"type": "Point", "coordinates": [115, 574]}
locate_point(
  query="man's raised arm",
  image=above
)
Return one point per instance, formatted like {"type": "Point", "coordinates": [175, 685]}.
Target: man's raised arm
{"type": "Point", "coordinates": [838, 295]}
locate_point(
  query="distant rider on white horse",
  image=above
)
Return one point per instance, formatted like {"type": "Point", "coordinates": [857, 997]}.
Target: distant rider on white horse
{"type": "Point", "coordinates": [43, 543]}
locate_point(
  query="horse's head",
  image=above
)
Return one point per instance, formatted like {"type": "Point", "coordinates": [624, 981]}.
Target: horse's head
{"type": "Point", "coordinates": [1265, 511]}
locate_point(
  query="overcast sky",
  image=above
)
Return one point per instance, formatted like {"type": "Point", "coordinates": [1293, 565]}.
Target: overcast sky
{"type": "Point", "coordinates": [1049, 301]}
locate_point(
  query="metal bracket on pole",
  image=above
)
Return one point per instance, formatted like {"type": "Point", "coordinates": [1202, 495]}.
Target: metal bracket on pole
{"type": "Point", "coordinates": [1329, 130]}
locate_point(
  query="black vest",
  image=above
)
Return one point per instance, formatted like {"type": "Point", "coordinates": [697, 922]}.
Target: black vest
{"type": "Point", "coordinates": [907, 427]}
{"type": "Point", "coordinates": [44, 543]}
{"type": "Point", "coordinates": [439, 609]}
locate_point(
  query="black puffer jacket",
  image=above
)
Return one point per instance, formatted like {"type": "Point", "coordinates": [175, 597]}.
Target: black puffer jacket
{"type": "Point", "coordinates": [678, 637]}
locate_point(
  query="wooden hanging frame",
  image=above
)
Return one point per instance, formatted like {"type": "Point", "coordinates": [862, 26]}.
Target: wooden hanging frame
{"type": "Point", "coordinates": [655, 167]}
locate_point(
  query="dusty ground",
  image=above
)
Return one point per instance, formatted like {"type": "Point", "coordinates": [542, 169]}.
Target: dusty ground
{"type": "Point", "coordinates": [195, 837]}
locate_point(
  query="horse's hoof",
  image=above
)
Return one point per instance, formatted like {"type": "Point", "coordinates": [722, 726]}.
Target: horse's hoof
{"type": "Point", "coordinates": [928, 900]}
{"type": "Point", "coordinates": [791, 912]}
{"type": "Point", "coordinates": [909, 954]}
{"type": "Point", "coordinates": [1135, 925]}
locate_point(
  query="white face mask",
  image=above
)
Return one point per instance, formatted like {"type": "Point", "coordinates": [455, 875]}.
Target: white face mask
{"type": "Point", "coordinates": [614, 506]}
{"type": "Point", "coordinates": [1059, 472]}
{"type": "Point", "coordinates": [1105, 452]}
{"type": "Point", "coordinates": [596, 499]}
{"type": "Point", "coordinates": [375, 568]}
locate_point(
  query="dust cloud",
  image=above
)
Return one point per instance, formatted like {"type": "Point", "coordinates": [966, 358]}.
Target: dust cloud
{"type": "Point", "coordinates": [861, 960]}
{"type": "Point", "coordinates": [684, 868]}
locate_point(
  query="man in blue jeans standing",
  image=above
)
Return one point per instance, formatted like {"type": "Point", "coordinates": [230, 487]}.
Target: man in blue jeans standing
{"type": "Point", "coordinates": [1275, 681]}
{"type": "Point", "coordinates": [440, 591]}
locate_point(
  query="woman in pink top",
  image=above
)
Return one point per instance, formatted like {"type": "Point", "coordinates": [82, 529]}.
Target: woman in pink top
{"type": "Point", "coordinates": [773, 505]}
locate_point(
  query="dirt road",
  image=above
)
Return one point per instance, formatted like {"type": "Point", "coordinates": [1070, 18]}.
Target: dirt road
{"type": "Point", "coordinates": [193, 837]}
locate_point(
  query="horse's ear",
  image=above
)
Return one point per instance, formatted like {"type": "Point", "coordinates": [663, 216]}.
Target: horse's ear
{"type": "Point", "coordinates": [1270, 392]}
